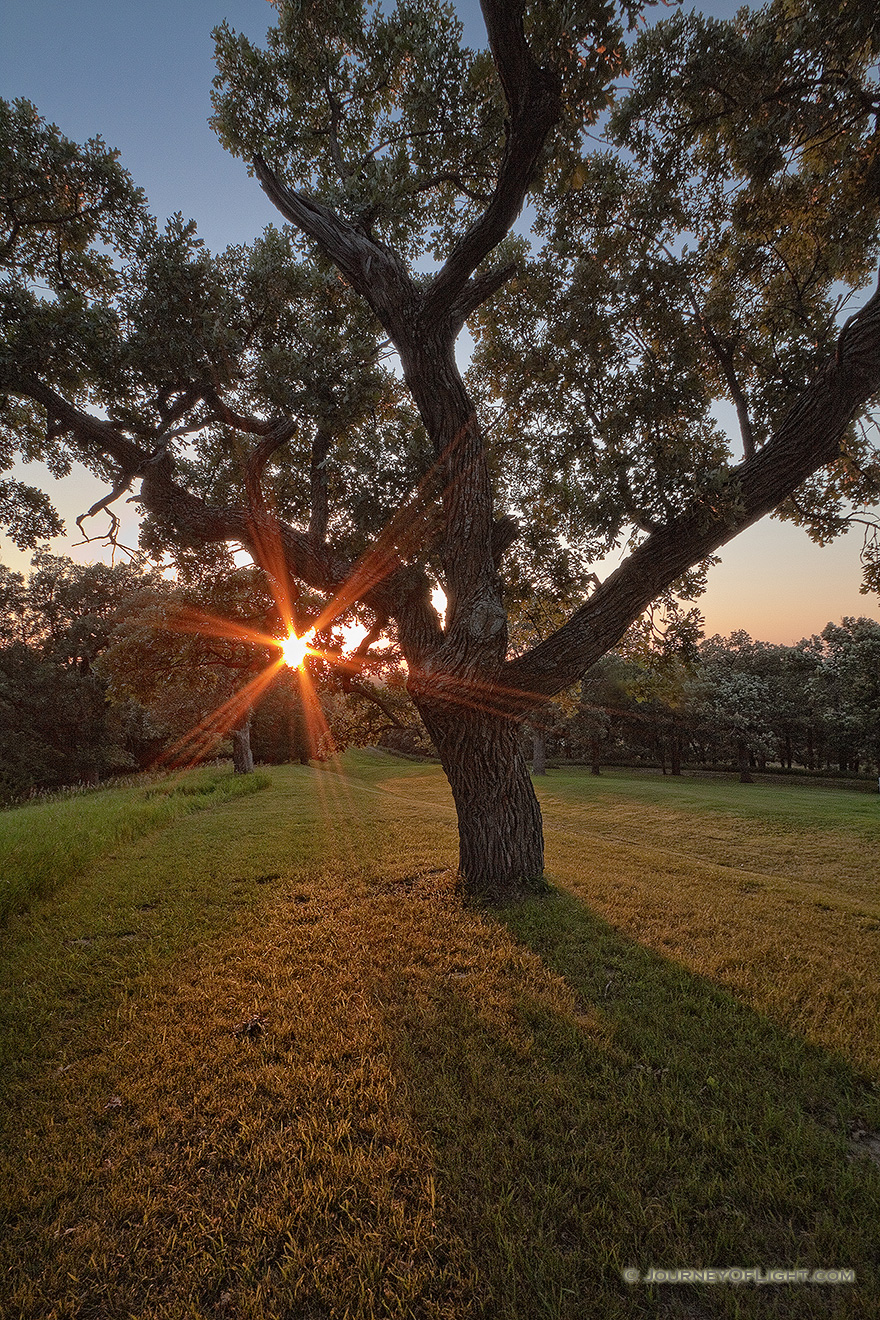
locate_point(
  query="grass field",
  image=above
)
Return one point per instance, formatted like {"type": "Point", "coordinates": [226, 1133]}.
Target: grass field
{"type": "Point", "coordinates": [47, 844]}
{"type": "Point", "coordinates": [259, 1062]}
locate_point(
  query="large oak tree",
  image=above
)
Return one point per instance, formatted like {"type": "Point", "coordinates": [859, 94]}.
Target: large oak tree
{"type": "Point", "coordinates": [697, 223]}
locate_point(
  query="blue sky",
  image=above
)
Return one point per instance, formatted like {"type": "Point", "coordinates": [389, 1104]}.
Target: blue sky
{"type": "Point", "coordinates": [139, 74]}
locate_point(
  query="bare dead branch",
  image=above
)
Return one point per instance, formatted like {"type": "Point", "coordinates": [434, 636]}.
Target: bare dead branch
{"type": "Point", "coordinates": [120, 486]}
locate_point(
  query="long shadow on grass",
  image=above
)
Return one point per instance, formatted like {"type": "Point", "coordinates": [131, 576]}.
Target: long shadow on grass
{"type": "Point", "coordinates": [639, 1116]}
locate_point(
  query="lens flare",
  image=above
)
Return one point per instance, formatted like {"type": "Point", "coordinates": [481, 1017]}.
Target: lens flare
{"type": "Point", "coordinates": [295, 649]}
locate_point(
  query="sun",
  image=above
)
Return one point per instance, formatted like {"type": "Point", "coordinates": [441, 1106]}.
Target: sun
{"type": "Point", "coordinates": [295, 649]}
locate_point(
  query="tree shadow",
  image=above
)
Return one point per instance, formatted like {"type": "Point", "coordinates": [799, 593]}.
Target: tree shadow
{"type": "Point", "coordinates": [593, 1106]}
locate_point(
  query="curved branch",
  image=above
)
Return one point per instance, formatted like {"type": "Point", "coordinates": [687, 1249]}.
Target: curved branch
{"type": "Point", "coordinates": [533, 103]}
{"type": "Point", "coordinates": [120, 486]}
{"type": "Point", "coordinates": [807, 439]}
{"type": "Point", "coordinates": [372, 269]}
{"type": "Point", "coordinates": [229, 417]}
{"type": "Point", "coordinates": [475, 293]}
{"type": "Point", "coordinates": [380, 579]}
{"type": "Point", "coordinates": [259, 458]}
{"type": "Point", "coordinates": [358, 689]}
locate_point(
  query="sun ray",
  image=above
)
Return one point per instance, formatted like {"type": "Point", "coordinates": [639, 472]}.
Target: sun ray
{"type": "Point", "coordinates": [204, 736]}
{"type": "Point", "coordinates": [406, 532]}
{"type": "Point", "coordinates": [318, 732]}
{"type": "Point", "coordinates": [187, 619]}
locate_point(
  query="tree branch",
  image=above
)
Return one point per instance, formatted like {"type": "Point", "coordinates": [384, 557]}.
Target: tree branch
{"type": "Point", "coordinates": [475, 293]}
{"type": "Point", "coordinates": [380, 580]}
{"type": "Point", "coordinates": [319, 515]}
{"type": "Point", "coordinates": [120, 486]}
{"type": "Point", "coordinates": [372, 269]}
{"type": "Point", "coordinates": [807, 439]}
{"type": "Point", "coordinates": [259, 458]}
{"type": "Point", "coordinates": [228, 416]}
{"type": "Point", "coordinates": [505, 530]}
{"type": "Point", "coordinates": [364, 690]}
{"type": "Point", "coordinates": [725, 358]}
{"type": "Point", "coordinates": [532, 96]}
{"type": "Point", "coordinates": [373, 635]}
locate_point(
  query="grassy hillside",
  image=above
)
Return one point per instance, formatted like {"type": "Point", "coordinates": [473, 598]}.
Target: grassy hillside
{"type": "Point", "coordinates": [48, 843]}
{"type": "Point", "coordinates": [259, 1062]}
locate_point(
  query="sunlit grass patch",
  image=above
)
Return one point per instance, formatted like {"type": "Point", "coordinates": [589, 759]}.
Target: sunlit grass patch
{"type": "Point", "coordinates": [773, 894]}
{"type": "Point", "coordinates": [263, 1064]}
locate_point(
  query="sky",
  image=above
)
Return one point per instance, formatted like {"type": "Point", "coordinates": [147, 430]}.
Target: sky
{"type": "Point", "coordinates": [139, 75]}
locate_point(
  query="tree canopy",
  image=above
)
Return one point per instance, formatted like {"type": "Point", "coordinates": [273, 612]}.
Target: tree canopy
{"type": "Point", "coordinates": [705, 198]}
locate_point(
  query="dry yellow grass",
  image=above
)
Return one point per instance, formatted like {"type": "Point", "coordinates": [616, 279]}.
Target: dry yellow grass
{"type": "Point", "coordinates": [262, 1064]}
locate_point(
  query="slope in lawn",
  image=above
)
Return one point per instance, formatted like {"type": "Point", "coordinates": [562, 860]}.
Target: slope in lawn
{"type": "Point", "coordinates": [261, 1063]}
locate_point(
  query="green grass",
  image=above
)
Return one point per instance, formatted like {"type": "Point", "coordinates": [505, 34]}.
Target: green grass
{"type": "Point", "coordinates": [45, 845]}
{"type": "Point", "coordinates": [260, 1063]}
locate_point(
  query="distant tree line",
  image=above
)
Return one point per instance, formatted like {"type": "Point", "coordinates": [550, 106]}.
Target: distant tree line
{"type": "Point", "coordinates": [104, 670]}
{"type": "Point", "coordinates": [729, 703]}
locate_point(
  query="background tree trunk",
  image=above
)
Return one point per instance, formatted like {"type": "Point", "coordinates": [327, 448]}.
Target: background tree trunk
{"type": "Point", "coordinates": [501, 841]}
{"type": "Point", "coordinates": [675, 750]}
{"type": "Point", "coordinates": [242, 756]}
{"type": "Point", "coordinates": [595, 757]}
{"type": "Point", "coordinates": [539, 751]}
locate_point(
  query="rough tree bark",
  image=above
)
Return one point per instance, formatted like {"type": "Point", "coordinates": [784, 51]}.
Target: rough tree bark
{"type": "Point", "coordinates": [242, 756]}
{"type": "Point", "coordinates": [462, 668]}
{"type": "Point", "coordinates": [469, 696]}
{"type": "Point", "coordinates": [501, 840]}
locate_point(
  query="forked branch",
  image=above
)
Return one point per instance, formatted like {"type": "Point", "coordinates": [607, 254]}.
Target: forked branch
{"type": "Point", "coordinates": [533, 103]}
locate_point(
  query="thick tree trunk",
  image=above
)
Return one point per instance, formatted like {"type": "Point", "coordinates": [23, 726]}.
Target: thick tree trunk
{"type": "Point", "coordinates": [242, 756]}
{"type": "Point", "coordinates": [297, 738]}
{"type": "Point", "coordinates": [595, 757]}
{"type": "Point", "coordinates": [501, 841]}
